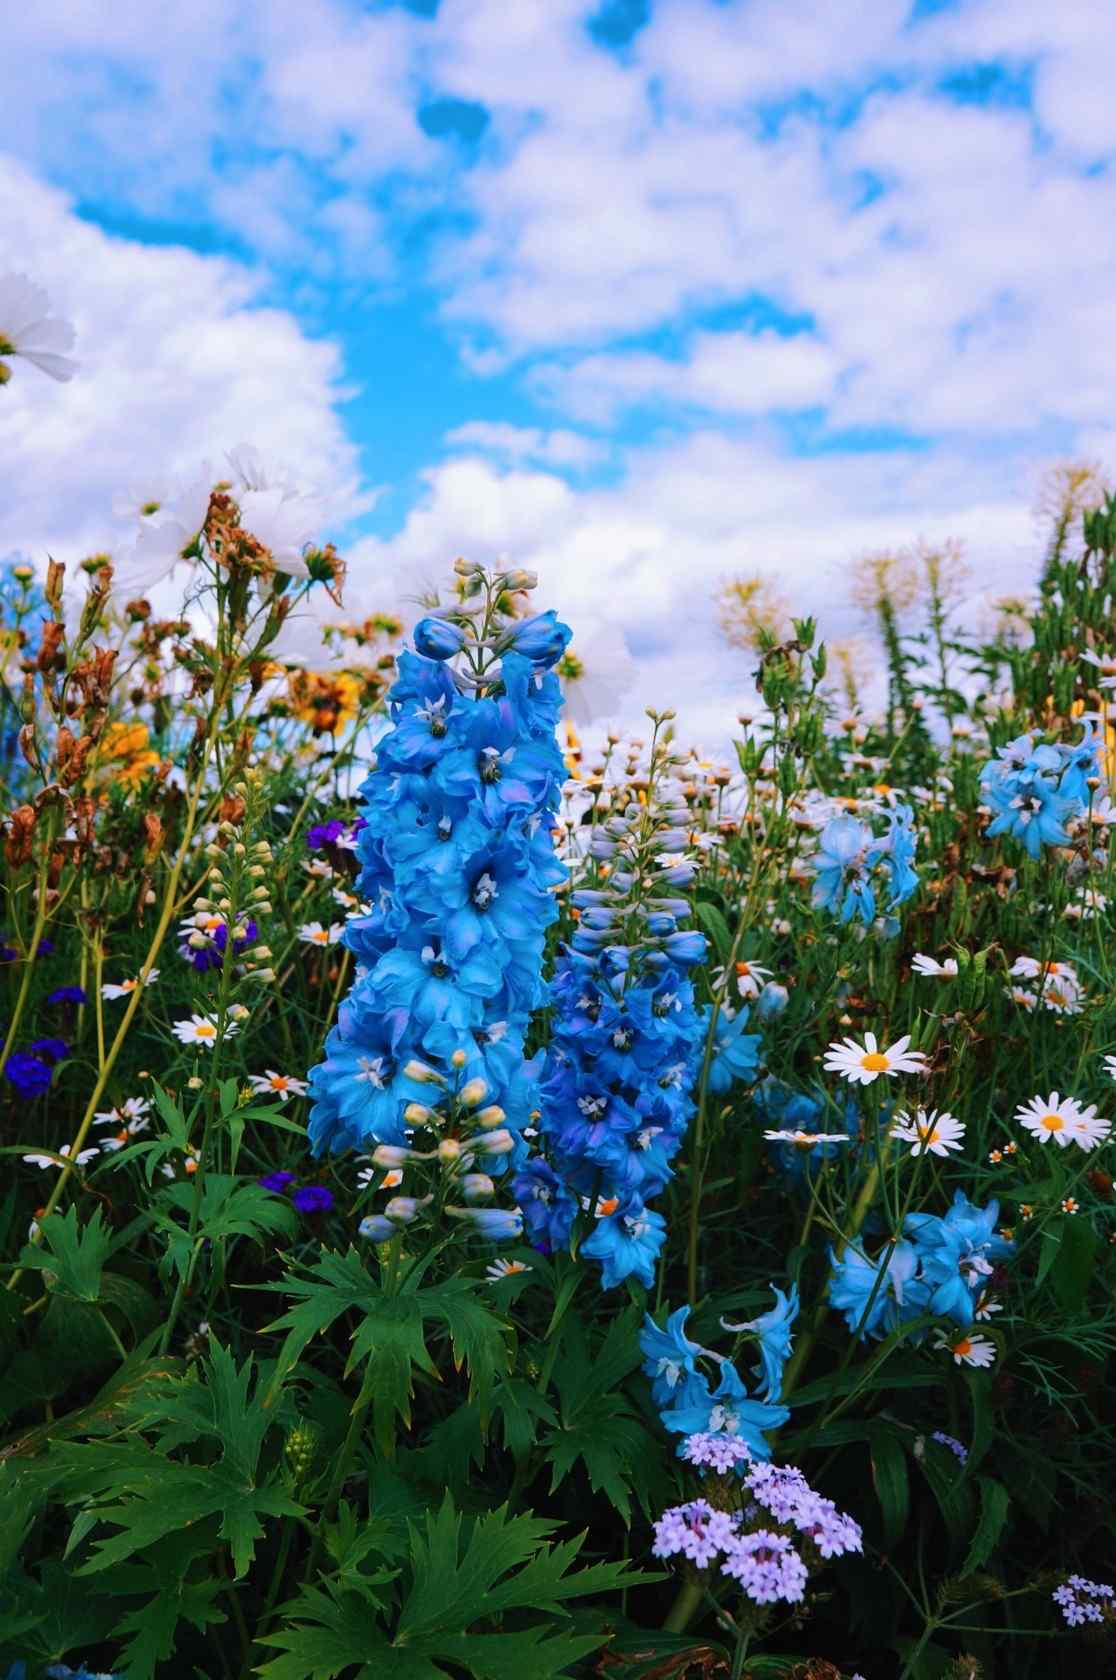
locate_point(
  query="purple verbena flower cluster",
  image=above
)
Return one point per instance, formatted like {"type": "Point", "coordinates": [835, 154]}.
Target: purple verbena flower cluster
{"type": "Point", "coordinates": [1078, 1600]}
{"type": "Point", "coordinates": [758, 1543]}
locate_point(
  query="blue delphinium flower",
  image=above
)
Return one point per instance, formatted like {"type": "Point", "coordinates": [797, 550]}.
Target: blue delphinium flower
{"type": "Point", "coordinates": [899, 1297]}
{"type": "Point", "coordinates": [957, 1253]}
{"type": "Point", "coordinates": [735, 1052]}
{"type": "Point", "coordinates": [687, 1405]}
{"type": "Point", "coordinates": [774, 1332]}
{"type": "Point", "coordinates": [851, 862]}
{"type": "Point", "coordinates": [1035, 790]}
{"type": "Point", "coordinates": [457, 863]}
{"type": "Point", "coordinates": [625, 1046]}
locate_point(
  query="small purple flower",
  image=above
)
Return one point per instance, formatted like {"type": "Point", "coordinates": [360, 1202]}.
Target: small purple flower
{"type": "Point", "coordinates": [312, 1198]}
{"type": "Point", "coordinates": [28, 1074]}
{"type": "Point", "coordinates": [960, 1452]}
{"type": "Point", "coordinates": [50, 1050]}
{"type": "Point", "coordinates": [46, 946]}
{"type": "Point", "coordinates": [68, 994]}
{"type": "Point", "coordinates": [325, 834]}
{"type": "Point", "coordinates": [8, 953]}
{"type": "Point", "coordinates": [276, 1180]}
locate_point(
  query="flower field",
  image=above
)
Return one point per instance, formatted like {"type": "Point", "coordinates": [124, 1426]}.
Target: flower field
{"type": "Point", "coordinates": [488, 1195]}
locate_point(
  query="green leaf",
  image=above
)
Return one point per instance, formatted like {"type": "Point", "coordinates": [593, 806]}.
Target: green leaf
{"type": "Point", "coordinates": [1074, 1262]}
{"type": "Point", "coordinates": [952, 1492]}
{"type": "Point", "coordinates": [994, 1503]}
{"type": "Point", "coordinates": [713, 921]}
{"type": "Point", "coordinates": [1050, 1242]}
{"type": "Point", "coordinates": [71, 1255]}
{"type": "Point", "coordinates": [889, 1476]}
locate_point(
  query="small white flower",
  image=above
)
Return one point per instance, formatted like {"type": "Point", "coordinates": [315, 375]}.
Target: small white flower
{"type": "Point", "coordinates": [28, 329]}
{"type": "Point", "coordinates": [986, 1307]}
{"type": "Point", "coordinates": [969, 1350]}
{"type": "Point", "coordinates": [750, 978]}
{"type": "Point", "coordinates": [81, 1157]}
{"type": "Point", "coordinates": [933, 969]}
{"type": "Point", "coordinates": [281, 1085]}
{"type": "Point", "coordinates": [930, 1133]}
{"type": "Point", "coordinates": [861, 1064]}
{"type": "Point", "coordinates": [125, 987]}
{"type": "Point", "coordinates": [201, 1030]}
{"type": "Point", "coordinates": [313, 933]}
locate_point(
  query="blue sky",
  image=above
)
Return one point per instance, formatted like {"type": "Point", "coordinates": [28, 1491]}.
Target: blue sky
{"type": "Point", "coordinates": [644, 293]}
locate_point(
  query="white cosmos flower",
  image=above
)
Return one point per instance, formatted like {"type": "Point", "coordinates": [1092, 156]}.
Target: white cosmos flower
{"type": "Point", "coordinates": [1064, 1120]}
{"type": "Point", "coordinates": [252, 472]}
{"type": "Point", "coordinates": [863, 1063]}
{"type": "Point", "coordinates": [969, 1350]}
{"type": "Point", "coordinates": [283, 523]}
{"type": "Point", "coordinates": [929, 1133]}
{"type": "Point", "coordinates": [596, 673]}
{"type": "Point", "coordinates": [28, 329]}
{"type": "Point", "coordinates": [201, 1030]}
{"type": "Point", "coordinates": [933, 969]}
{"type": "Point", "coordinates": [164, 538]}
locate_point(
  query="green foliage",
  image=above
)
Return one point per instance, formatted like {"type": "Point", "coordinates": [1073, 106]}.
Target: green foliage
{"type": "Point", "coordinates": [457, 1573]}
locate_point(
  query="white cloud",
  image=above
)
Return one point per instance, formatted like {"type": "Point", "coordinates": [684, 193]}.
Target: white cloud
{"type": "Point", "coordinates": [728, 373]}
{"type": "Point", "coordinates": [558, 448]}
{"type": "Point", "coordinates": [179, 363]}
{"type": "Point", "coordinates": [646, 556]}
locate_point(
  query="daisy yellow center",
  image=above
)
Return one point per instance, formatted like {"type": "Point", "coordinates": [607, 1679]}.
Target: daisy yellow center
{"type": "Point", "coordinates": [129, 985]}
{"type": "Point", "coordinates": [320, 938]}
{"type": "Point", "coordinates": [875, 1062]}
{"type": "Point", "coordinates": [963, 1347]}
{"type": "Point", "coordinates": [279, 1082]}
{"type": "Point", "coordinates": [1052, 1123]}
{"type": "Point", "coordinates": [928, 1134]}
{"type": "Point", "coordinates": [205, 1031]}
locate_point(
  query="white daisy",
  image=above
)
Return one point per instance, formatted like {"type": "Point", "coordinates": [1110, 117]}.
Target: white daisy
{"type": "Point", "coordinates": [281, 1085]}
{"type": "Point", "coordinates": [125, 987]}
{"type": "Point", "coordinates": [1089, 1129]}
{"type": "Point", "coordinates": [506, 1268]}
{"type": "Point", "coordinates": [750, 978]}
{"type": "Point", "coordinates": [133, 1108]}
{"type": "Point", "coordinates": [1110, 1066]}
{"type": "Point", "coordinates": [986, 1306]}
{"type": "Point", "coordinates": [863, 1063]}
{"type": "Point", "coordinates": [1053, 1117]}
{"type": "Point", "coordinates": [81, 1157]}
{"type": "Point", "coordinates": [807, 1140]}
{"type": "Point", "coordinates": [596, 674]}
{"type": "Point", "coordinates": [313, 933]}
{"type": "Point", "coordinates": [930, 1133]}
{"type": "Point", "coordinates": [201, 1030]}
{"type": "Point", "coordinates": [969, 1350]}
{"type": "Point", "coordinates": [933, 969]}
{"type": "Point", "coordinates": [129, 1130]}
{"type": "Point", "coordinates": [1030, 968]}
{"type": "Point", "coordinates": [28, 329]}
{"type": "Point", "coordinates": [1021, 996]}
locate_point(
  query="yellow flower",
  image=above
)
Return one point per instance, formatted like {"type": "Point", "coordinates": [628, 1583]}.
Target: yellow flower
{"type": "Point", "coordinates": [326, 700]}
{"type": "Point", "coordinates": [126, 745]}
